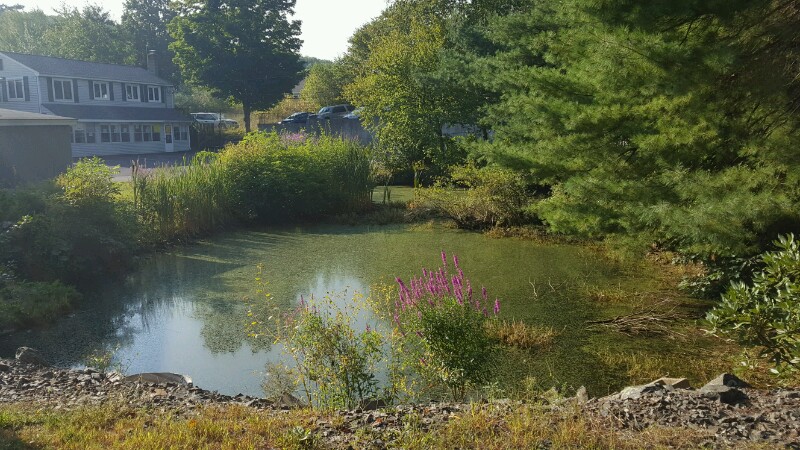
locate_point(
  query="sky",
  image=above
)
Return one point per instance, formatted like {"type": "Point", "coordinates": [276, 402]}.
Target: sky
{"type": "Point", "coordinates": [327, 24]}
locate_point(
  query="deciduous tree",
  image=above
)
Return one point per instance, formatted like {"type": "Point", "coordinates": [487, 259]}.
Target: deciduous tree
{"type": "Point", "coordinates": [243, 49]}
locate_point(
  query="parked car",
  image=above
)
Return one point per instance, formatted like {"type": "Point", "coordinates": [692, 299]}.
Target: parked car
{"type": "Point", "coordinates": [298, 117]}
{"type": "Point", "coordinates": [334, 111]}
{"type": "Point", "coordinates": [218, 120]}
{"type": "Point", "coordinates": [354, 115]}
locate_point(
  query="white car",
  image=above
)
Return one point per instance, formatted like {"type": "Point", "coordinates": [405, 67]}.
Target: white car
{"type": "Point", "coordinates": [334, 111]}
{"type": "Point", "coordinates": [214, 119]}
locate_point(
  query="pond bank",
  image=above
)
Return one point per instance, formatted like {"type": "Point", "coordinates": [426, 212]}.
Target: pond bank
{"type": "Point", "coordinates": [41, 403]}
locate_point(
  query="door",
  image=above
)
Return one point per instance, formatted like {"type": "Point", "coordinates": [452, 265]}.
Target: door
{"type": "Point", "coordinates": [168, 146]}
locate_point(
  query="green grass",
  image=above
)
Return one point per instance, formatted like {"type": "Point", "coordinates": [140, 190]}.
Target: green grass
{"type": "Point", "coordinates": [484, 427]}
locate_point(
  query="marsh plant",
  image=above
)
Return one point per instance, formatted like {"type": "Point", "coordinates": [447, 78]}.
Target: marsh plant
{"type": "Point", "coordinates": [441, 326]}
{"type": "Point", "coordinates": [334, 361]}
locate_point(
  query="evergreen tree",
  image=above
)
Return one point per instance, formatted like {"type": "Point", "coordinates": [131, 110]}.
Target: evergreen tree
{"type": "Point", "coordinates": [673, 122]}
{"type": "Point", "coordinates": [145, 21]}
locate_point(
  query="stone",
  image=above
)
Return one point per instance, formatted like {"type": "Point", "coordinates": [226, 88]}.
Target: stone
{"type": "Point", "coordinates": [5, 368]}
{"type": "Point", "coordinates": [581, 396]}
{"type": "Point", "coordinates": [159, 378]}
{"type": "Point", "coordinates": [373, 404]}
{"type": "Point", "coordinates": [725, 394]}
{"type": "Point", "coordinates": [29, 355]}
{"type": "Point", "coordinates": [635, 392]}
{"type": "Point", "coordinates": [677, 383]}
{"type": "Point", "coordinates": [727, 379]}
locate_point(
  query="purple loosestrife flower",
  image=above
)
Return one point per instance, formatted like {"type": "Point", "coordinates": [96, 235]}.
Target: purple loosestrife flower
{"type": "Point", "coordinates": [455, 261]}
{"type": "Point", "coordinates": [496, 306]}
{"type": "Point", "coordinates": [444, 259]}
{"type": "Point", "coordinates": [469, 291]}
{"type": "Point", "coordinates": [484, 294]}
{"type": "Point", "coordinates": [368, 328]}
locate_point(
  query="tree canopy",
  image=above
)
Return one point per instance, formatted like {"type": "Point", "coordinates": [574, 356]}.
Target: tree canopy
{"type": "Point", "coordinates": [243, 49]}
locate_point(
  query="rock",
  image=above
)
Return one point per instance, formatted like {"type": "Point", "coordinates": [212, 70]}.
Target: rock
{"type": "Point", "coordinates": [159, 378]}
{"type": "Point", "coordinates": [29, 355]}
{"type": "Point", "coordinates": [289, 400]}
{"type": "Point", "coordinates": [581, 396]}
{"type": "Point", "coordinates": [677, 383]}
{"type": "Point", "coordinates": [729, 380]}
{"type": "Point", "coordinates": [5, 368]}
{"type": "Point", "coordinates": [373, 404]}
{"type": "Point", "coordinates": [725, 394]}
{"type": "Point", "coordinates": [635, 392]}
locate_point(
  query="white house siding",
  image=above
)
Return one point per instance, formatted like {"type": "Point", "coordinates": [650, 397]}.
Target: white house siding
{"type": "Point", "coordinates": [84, 97]}
{"type": "Point", "coordinates": [13, 69]}
{"type": "Point", "coordinates": [80, 150]}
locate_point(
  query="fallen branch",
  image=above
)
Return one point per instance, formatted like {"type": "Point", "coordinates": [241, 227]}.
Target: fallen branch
{"type": "Point", "coordinates": [651, 320]}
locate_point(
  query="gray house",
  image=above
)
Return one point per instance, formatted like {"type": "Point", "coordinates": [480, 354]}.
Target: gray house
{"type": "Point", "coordinates": [119, 109]}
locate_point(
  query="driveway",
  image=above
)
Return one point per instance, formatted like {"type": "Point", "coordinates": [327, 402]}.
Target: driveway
{"type": "Point", "coordinates": [125, 162]}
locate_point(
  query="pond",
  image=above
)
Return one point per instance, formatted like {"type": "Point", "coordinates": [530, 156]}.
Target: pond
{"type": "Point", "coordinates": [185, 311]}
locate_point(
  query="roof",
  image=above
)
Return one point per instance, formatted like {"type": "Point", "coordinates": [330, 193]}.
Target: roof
{"type": "Point", "coordinates": [72, 68]}
{"type": "Point", "coordinates": [117, 113]}
{"type": "Point", "coordinates": [9, 117]}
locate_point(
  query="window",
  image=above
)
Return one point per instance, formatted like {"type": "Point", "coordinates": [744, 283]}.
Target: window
{"type": "Point", "coordinates": [147, 133]}
{"type": "Point", "coordinates": [132, 91]}
{"type": "Point", "coordinates": [105, 134]}
{"type": "Point", "coordinates": [153, 94]}
{"type": "Point", "coordinates": [156, 133]}
{"type": "Point", "coordinates": [16, 90]}
{"type": "Point", "coordinates": [137, 133]}
{"type": "Point", "coordinates": [62, 90]}
{"type": "Point", "coordinates": [125, 133]}
{"type": "Point", "coordinates": [90, 134]}
{"type": "Point", "coordinates": [100, 90]}
{"type": "Point", "coordinates": [115, 137]}
{"type": "Point", "coordinates": [79, 136]}
{"type": "Point", "coordinates": [180, 133]}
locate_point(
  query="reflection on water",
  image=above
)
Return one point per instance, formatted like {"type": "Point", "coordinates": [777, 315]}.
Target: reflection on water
{"type": "Point", "coordinates": [185, 311]}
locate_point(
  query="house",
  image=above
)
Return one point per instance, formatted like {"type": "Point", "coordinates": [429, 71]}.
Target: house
{"type": "Point", "coordinates": [33, 146]}
{"type": "Point", "coordinates": [119, 109]}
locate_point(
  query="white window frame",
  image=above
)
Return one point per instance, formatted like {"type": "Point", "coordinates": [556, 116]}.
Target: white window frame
{"type": "Point", "coordinates": [97, 87]}
{"type": "Point", "coordinates": [63, 82]}
{"type": "Point", "coordinates": [130, 89]}
{"type": "Point", "coordinates": [154, 94]}
{"type": "Point", "coordinates": [19, 89]}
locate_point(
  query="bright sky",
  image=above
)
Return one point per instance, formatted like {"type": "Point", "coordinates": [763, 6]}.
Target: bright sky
{"type": "Point", "coordinates": [327, 24]}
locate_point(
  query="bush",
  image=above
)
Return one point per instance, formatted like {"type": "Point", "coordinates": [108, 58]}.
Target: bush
{"type": "Point", "coordinates": [31, 304]}
{"type": "Point", "coordinates": [443, 328]}
{"type": "Point", "coordinates": [88, 182]}
{"type": "Point", "coordinates": [766, 313]}
{"type": "Point", "coordinates": [494, 197]}
{"type": "Point", "coordinates": [275, 178]}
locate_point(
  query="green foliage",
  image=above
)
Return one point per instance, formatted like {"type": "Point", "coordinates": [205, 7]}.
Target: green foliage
{"type": "Point", "coordinates": [89, 182]}
{"type": "Point", "coordinates": [182, 202]}
{"type": "Point", "coordinates": [244, 49]}
{"type": "Point", "coordinates": [23, 31]}
{"type": "Point", "coordinates": [494, 196]}
{"type": "Point", "coordinates": [276, 178]}
{"type": "Point", "coordinates": [442, 329]}
{"type": "Point", "coordinates": [766, 313]}
{"type": "Point", "coordinates": [189, 98]}
{"type": "Point", "coordinates": [324, 84]}
{"type": "Point", "coordinates": [24, 304]}
{"type": "Point", "coordinates": [335, 363]}
{"type": "Point", "coordinates": [145, 22]}
{"type": "Point", "coordinates": [87, 34]}
{"type": "Point", "coordinates": [673, 123]}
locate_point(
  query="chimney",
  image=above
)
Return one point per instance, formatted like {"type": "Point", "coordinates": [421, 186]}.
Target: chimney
{"type": "Point", "coordinates": [152, 64]}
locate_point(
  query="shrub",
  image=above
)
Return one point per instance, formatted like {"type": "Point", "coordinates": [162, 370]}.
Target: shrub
{"type": "Point", "coordinates": [334, 363]}
{"type": "Point", "coordinates": [33, 303]}
{"type": "Point", "coordinates": [494, 197]}
{"type": "Point", "coordinates": [89, 181]}
{"type": "Point", "coordinates": [443, 328]}
{"type": "Point", "coordinates": [274, 178]}
{"type": "Point", "coordinates": [766, 313]}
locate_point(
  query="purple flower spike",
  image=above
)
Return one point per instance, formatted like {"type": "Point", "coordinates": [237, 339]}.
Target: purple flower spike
{"type": "Point", "coordinates": [484, 294]}
{"type": "Point", "coordinates": [496, 306]}
{"type": "Point", "coordinates": [455, 261]}
{"type": "Point", "coordinates": [469, 290]}
{"type": "Point", "coordinates": [368, 328]}
{"type": "Point", "coordinates": [485, 313]}
{"type": "Point", "coordinates": [444, 258]}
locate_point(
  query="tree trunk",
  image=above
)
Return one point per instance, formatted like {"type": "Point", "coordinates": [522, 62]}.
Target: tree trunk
{"type": "Point", "coordinates": [246, 108]}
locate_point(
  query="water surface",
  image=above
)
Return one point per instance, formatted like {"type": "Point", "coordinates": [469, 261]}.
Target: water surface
{"type": "Point", "coordinates": [185, 311]}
